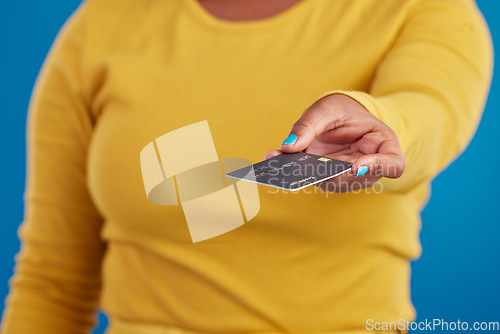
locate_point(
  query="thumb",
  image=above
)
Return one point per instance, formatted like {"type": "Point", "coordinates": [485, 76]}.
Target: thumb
{"type": "Point", "coordinates": [272, 154]}
{"type": "Point", "coordinates": [315, 121]}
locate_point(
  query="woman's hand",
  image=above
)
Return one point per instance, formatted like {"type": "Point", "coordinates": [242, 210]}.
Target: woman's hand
{"type": "Point", "coordinates": [339, 127]}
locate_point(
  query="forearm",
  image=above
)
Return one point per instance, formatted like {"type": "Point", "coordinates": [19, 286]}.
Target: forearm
{"type": "Point", "coordinates": [432, 86]}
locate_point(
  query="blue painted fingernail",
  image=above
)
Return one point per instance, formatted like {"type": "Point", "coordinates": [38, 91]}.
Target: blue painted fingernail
{"type": "Point", "coordinates": [290, 140]}
{"type": "Point", "coordinates": [362, 171]}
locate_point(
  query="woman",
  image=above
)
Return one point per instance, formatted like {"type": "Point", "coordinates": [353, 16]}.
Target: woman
{"type": "Point", "coordinates": [391, 86]}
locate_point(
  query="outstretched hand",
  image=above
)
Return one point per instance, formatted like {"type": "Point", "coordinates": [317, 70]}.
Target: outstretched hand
{"type": "Point", "coordinates": [339, 127]}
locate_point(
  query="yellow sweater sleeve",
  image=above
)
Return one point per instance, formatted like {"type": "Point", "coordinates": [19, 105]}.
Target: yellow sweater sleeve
{"type": "Point", "coordinates": [430, 88]}
{"type": "Point", "coordinates": [56, 285]}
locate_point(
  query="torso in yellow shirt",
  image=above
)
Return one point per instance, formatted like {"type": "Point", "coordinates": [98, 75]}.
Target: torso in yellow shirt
{"type": "Point", "coordinates": [308, 262]}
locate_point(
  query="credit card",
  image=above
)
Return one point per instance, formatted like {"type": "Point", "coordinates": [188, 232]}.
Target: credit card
{"type": "Point", "coordinates": [292, 171]}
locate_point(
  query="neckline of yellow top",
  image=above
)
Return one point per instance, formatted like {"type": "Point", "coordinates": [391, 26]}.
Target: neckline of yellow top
{"type": "Point", "coordinates": [196, 8]}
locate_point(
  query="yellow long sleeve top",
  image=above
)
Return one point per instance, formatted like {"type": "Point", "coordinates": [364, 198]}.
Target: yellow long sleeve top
{"type": "Point", "coordinates": [123, 72]}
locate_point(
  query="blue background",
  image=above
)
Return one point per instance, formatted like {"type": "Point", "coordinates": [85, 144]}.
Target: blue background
{"type": "Point", "coordinates": [457, 276]}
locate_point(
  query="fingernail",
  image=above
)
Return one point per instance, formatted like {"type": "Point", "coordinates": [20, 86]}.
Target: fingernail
{"type": "Point", "coordinates": [362, 171]}
{"type": "Point", "coordinates": [290, 140]}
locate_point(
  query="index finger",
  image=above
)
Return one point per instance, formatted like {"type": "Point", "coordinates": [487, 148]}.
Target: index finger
{"type": "Point", "coordinates": [318, 119]}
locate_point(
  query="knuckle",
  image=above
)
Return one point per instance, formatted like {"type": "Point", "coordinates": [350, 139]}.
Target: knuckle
{"type": "Point", "coordinates": [303, 124]}
{"type": "Point", "coordinates": [332, 110]}
{"type": "Point", "coordinates": [388, 133]}
{"type": "Point", "coordinates": [379, 165]}
{"type": "Point", "coordinates": [326, 102]}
